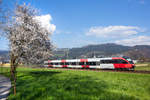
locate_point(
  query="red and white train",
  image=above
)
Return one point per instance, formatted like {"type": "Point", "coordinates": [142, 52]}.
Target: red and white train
{"type": "Point", "coordinates": [96, 63]}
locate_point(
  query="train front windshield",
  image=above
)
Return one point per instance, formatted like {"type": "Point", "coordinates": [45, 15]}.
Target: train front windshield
{"type": "Point", "coordinates": [128, 59]}
{"type": "Point", "coordinates": [131, 62]}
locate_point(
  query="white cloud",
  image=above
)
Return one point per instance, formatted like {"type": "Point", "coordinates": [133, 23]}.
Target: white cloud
{"type": "Point", "coordinates": [114, 31]}
{"type": "Point", "coordinates": [45, 21]}
{"type": "Point", "coordinates": [139, 40]}
{"type": "Point", "coordinates": [142, 1]}
{"type": "Point", "coordinates": [138, 1]}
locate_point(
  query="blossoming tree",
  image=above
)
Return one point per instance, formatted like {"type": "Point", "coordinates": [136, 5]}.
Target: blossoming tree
{"type": "Point", "coordinates": [29, 42]}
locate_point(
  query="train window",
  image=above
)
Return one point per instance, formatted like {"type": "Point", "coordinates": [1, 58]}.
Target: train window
{"type": "Point", "coordinates": [90, 63]}
{"type": "Point", "coordinates": [109, 61]}
{"type": "Point", "coordinates": [131, 62]}
{"type": "Point", "coordinates": [115, 61]}
{"type": "Point", "coordinates": [119, 61]}
{"type": "Point", "coordinates": [56, 63]}
{"type": "Point", "coordinates": [106, 61]}
{"type": "Point", "coordinates": [97, 63]}
{"type": "Point", "coordinates": [81, 63]}
{"type": "Point", "coordinates": [62, 63]}
{"type": "Point", "coordinates": [123, 61]}
{"type": "Point", "coordinates": [51, 63]}
{"type": "Point", "coordinates": [102, 61]}
{"type": "Point", "coordinates": [93, 63]}
{"type": "Point", "coordinates": [66, 63]}
{"type": "Point", "coordinates": [73, 63]}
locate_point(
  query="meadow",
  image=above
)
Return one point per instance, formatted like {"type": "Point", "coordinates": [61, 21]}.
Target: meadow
{"type": "Point", "coordinates": [143, 66]}
{"type": "Point", "coordinates": [56, 84]}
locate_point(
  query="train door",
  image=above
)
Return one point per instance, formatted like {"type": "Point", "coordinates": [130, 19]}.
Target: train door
{"type": "Point", "coordinates": [83, 64]}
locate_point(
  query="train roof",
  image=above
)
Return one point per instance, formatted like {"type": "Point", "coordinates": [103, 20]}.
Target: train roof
{"type": "Point", "coordinates": [89, 59]}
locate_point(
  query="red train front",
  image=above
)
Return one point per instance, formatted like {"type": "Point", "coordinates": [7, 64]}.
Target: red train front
{"type": "Point", "coordinates": [123, 63]}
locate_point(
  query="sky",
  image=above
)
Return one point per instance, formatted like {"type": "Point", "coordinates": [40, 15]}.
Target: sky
{"type": "Point", "coordinates": [76, 23]}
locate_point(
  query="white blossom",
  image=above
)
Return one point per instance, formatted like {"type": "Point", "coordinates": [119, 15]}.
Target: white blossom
{"type": "Point", "coordinates": [29, 41]}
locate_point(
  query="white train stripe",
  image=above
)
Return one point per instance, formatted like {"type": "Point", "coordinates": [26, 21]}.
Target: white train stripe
{"type": "Point", "coordinates": [107, 66]}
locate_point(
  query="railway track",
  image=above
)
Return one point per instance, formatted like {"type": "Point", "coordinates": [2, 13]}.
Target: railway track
{"type": "Point", "coordinates": [107, 70]}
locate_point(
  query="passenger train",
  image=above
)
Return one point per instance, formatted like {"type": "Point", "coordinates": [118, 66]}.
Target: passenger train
{"type": "Point", "coordinates": [121, 63]}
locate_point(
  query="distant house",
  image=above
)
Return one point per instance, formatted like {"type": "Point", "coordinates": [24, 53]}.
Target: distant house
{"type": "Point", "coordinates": [135, 61]}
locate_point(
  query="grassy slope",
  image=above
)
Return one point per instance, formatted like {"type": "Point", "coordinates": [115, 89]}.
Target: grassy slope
{"type": "Point", "coordinates": [37, 84]}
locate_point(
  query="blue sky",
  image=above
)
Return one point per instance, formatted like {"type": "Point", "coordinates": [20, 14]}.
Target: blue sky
{"type": "Point", "coordinates": [83, 22]}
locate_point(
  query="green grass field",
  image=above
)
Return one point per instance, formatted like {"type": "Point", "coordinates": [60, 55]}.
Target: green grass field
{"type": "Point", "coordinates": [46, 84]}
{"type": "Point", "coordinates": [143, 66]}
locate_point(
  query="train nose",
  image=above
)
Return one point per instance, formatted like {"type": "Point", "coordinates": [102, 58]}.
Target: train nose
{"type": "Point", "coordinates": [133, 66]}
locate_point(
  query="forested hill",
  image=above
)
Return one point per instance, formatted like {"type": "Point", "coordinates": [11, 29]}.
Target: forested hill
{"type": "Point", "coordinates": [3, 52]}
{"type": "Point", "coordinates": [98, 50]}
{"type": "Point", "coordinates": [139, 52]}
{"type": "Point", "coordinates": [4, 55]}
{"type": "Point", "coordinates": [104, 50]}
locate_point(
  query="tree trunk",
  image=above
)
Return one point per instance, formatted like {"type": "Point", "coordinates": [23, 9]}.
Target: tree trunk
{"type": "Point", "coordinates": [13, 72]}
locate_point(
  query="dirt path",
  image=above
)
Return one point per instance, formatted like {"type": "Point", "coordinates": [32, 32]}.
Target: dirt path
{"type": "Point", "coordinates": [141, 64]}
{"type": "Point", "coordinates": [5, 86]}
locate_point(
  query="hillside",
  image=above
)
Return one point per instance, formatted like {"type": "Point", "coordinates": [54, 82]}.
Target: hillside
{"type": "Point", "coordinates": [141, 52]}
{"type": "Point", "coordinates": [98, 50]}
{"type": "Point", "coordinates": [105, 50]}
{"type": "Point", "coordinates": [4, 55]}
{"type": "Point", "coordinates": [3, 52]}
